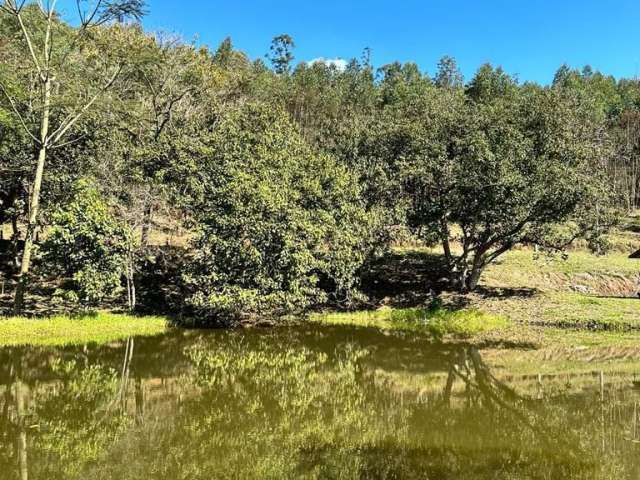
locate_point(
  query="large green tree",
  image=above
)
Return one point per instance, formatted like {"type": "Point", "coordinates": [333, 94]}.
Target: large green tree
{"type": "Point", "coordinates": [497, 166]}
{"type": "Point", "coordinates": [280, 226]}
{"type": "Point", "coordinates": [88, 245]}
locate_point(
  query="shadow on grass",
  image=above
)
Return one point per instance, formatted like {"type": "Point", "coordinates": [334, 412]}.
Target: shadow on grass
{"type": "Point", "coordinates": [400, 279]}
{"type": "Point", "coordinates": [507, 345]}
{"type": "Point", "coordinates": [406, 279]}
{"type": "Point", "coordinates": [589, 326]}
{"type": "Point", "coordinates": [499, 292]}
{"type": "Point", "coordinates": [618, 297]}
{"type": "Point", "coordinates": [412, 278]}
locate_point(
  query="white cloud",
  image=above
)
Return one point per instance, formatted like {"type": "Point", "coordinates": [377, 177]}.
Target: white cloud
{"type": "Point", "coordinates": [339, 63]}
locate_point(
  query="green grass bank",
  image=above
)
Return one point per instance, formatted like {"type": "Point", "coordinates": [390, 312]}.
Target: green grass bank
{"type": "Point", "coordinates": [438, 322]}
{"type": "Point", "coordinates": [99, 327]}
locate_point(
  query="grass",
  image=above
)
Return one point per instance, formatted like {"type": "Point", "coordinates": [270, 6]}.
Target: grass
{"type": "Point", "coordinates": [583, 291]}
{"type": "Point", "coordinates": [100, 327]}
{"type": "Point", "coordinates": [521, 268]}
{"type": "Point", "coordinates": [529, 300]}
{"type": "Point", "coordinates": [438, 322]}
{"type": "Point", "coordinates": [584, 299]}
{"type": "Point", "coordinates": [591, 311]}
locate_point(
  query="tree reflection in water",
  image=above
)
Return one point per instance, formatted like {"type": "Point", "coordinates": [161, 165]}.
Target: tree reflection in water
{"type": "Point", "coordinates": [282, 406]}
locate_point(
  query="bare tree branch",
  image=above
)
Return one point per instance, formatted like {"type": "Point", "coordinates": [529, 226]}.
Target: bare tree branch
{"type": "Point", "coordinates": [27, 38]}
{"type": "Point", "coordinates": [65, 126]}
{"type": "Point", "coordinates": [18, 114]}
{"type": "Point", "coordinates": [70, 142]}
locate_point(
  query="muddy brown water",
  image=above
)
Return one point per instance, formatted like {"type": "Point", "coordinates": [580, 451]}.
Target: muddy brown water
{"type": "Point", "coordinates": [303, 402]}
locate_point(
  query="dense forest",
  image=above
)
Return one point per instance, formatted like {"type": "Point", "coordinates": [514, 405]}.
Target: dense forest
{"type": "Point", "coordinates": [140, 170]}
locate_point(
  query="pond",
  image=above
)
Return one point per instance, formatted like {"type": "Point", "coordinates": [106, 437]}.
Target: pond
{"type": "Point", "coordinates": [312, 402]}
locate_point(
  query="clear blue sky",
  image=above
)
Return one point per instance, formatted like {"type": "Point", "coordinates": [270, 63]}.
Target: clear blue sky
{"type": "Point", "coordinates": [530, 38]}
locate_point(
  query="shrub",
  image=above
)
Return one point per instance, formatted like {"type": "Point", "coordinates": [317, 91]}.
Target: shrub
{"type": "Point", "coordinates": [280, 226]}
{"type": "Point", "coordinates": [87, 244]}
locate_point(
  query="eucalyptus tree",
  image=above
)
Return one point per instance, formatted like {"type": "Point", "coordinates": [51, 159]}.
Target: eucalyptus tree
{"type": "Point", "coordinates": [71, 69]}
{"type": "Point", "coordinates": [331, 104]}
{"type": "Point", "coordinates": [281, 54]}
{"type": "Point", "coordinates": [617, 102]}
{"type": "Point", "coordinates": [448, 75]}
{"type": "Point", "coordinates": [598, 89]}
{"type": "Point", "coordinates": [400, 83]}
{"type": "Point", "coordinates": [313, 100]}
{"type": "Point", "coordinates": [624, 167]}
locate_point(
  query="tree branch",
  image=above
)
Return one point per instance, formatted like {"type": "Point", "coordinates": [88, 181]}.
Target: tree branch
{"type": "Point", "coordinates": [65, 126]}
{"type": "Point", "coordinates": [70, 142]}
{"type": "Point", "coordinates": [27, 38]}
{"type": "Point", "coordinates": [17, 112]}
{"type": "Point", "coordinates": [48, 40]}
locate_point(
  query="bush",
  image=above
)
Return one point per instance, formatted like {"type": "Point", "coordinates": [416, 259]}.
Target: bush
{"type": "Point", "coordinates": [87, 244]}
{"type": "Point", "coordinates": [280, 226]}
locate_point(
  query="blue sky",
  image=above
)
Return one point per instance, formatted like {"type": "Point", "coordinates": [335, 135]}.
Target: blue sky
{"type": "Point", "coordinates": [530, 38]}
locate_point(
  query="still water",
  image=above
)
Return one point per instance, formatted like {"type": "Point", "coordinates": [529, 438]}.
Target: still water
{"type": "Point", "coordinates": [308, 403]}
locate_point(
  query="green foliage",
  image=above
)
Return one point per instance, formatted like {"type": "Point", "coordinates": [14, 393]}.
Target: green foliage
{"type": "Point", "coordinates": [496, 166]}
{"type": "Point", "coordinates": [281, 226]}
{"type": "Point", "coordinates": [281, 54]}
{"type": "Point", "coordinates": [600, 91]}
{"type": "Point", "coordinates": [87, 244]}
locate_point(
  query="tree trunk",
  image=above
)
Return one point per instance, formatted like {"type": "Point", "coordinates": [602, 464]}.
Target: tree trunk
{"type": "Point", "coordinates": [15, 243]}
{"type": "Point", "coordinates": [459, 277]}
{"type": "Point", "coordinates": [131, 286]}
{"type": "Point", "coordinates": [146, 226]}
{"type": "Point", "coordinates": [15, 233]}
{"type": "Point", "coordinates": [466, 279]}
{"type": "Point", "coordinates": [473, 278]}
{"type": "Point", "coordinates": [34, 206]}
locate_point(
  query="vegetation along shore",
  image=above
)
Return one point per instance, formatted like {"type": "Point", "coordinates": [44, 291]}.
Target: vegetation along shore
{"type": "Point", "coordinates": [147, 175]}
{"type": "Point", "coordinates": [217, 264]}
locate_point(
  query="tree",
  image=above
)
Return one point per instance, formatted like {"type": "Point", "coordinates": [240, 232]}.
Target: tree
{"type": "Point", "coordinates": [225, 53]}
{"type": "Point", "coordinates": [497, 167]}
{"type": "Point", "coordinates": [624, 167]}
{"type": "Point", "coordinates": [401, 83]}
{"type": "Point", "coordinates": [87, 244]}
{"type": "Point", "coordinates": [281, 54]}
{"type": "Point", "coordinates": [170, 89]}
{"type": "Point", "coordinates": [51, 55]}
{"type": "Point", "coordinates": [280, 226]}
{"type": "Point", "coordinates": [491, 83]}
{"type": "Point", "coordinates": [449, 75]}
{"type": "Point", "coordinates": [601, 91]}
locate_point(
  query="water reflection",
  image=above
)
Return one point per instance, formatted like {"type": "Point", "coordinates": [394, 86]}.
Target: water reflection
{"type": "Point", "coordinates": [302, 403]}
